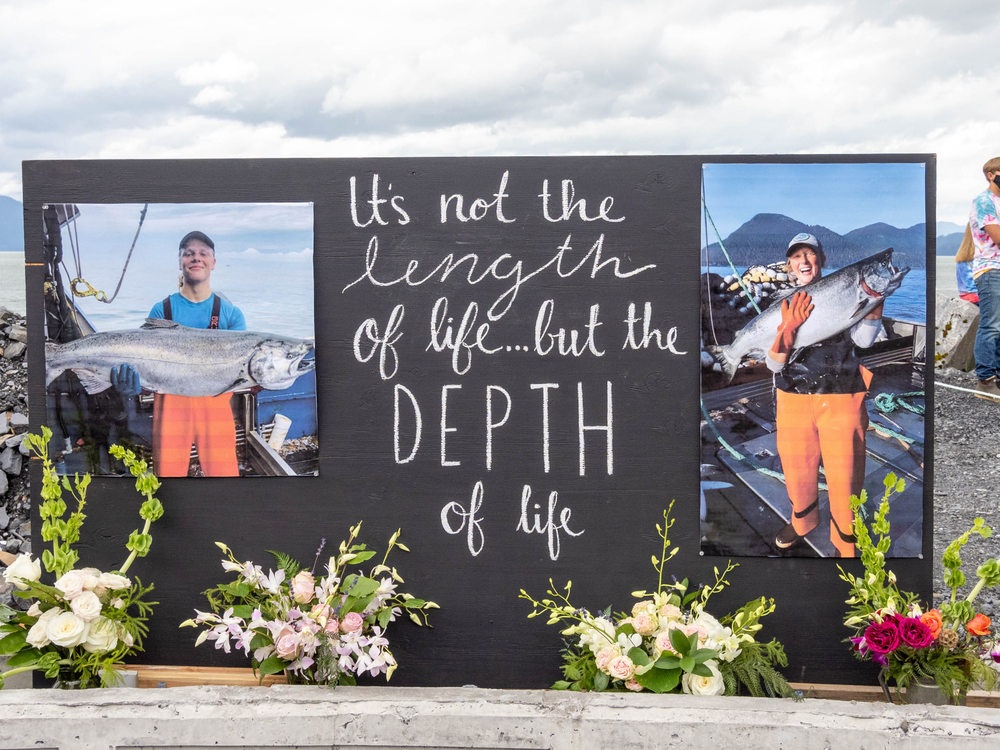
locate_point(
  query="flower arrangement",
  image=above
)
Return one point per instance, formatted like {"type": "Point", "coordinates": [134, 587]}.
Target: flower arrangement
{"type": "Point", "coordinates": [324, 630]}
{"type": "Point", "coordinates": [944, 645]}
{"type": "Point", "coordinates": [669, 642]}
{"type": "Point", "coordinates": [80, 627]}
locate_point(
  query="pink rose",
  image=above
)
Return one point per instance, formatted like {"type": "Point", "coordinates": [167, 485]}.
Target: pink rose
{"type": "Point", "coordinates": [332, 626]}
{"type": "Point", "coordinates": [604, 657]}
{"type": "Point", "coordinates": [303, 587]}
{"type": "Point", "coordinates": [915, 633]}
{"type": "Point", "coordinates": [663, 643]}
{"type": "Point", "coordinates": [632, 685]}
{"type": "Point", "coordinates": [352, 621]}
{"type": "Point", "coordinates": [287, 643]}
{"type": "Point", "coordinates": [644, 623]}
{"type": "Point", "coordinates": [621, 668]}
{"type": "Point", "coordinates": [882, 637]}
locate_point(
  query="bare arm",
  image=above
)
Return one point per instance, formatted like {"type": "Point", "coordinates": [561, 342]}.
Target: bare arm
{"type": "Point", "coordinates": [993, 230]}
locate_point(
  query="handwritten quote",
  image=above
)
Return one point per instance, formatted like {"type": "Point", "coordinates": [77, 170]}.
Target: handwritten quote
{"type": "Point", "coordinates": [467, 336]}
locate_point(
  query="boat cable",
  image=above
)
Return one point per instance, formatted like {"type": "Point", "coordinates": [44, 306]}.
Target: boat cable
{"type": "Point", "coordinates": [708, 280]}
{"type": "Point", "coordinates": [79, 286]}
{"type": "Point", "coordinates": [887, 402]}
{"type": "Point", "coordinates": [725, 252]}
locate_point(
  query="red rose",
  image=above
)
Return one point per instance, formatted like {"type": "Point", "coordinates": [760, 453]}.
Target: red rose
{"type": "Point", "coordinates": [882, 637]}
{"type": "Point", "coordinates": [915, 633]}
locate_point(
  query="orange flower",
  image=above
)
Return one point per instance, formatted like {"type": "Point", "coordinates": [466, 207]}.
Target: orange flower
{"type": "Point", "coordinates": [932, 619]}
{"type": "Point", "coordinates": [978, 625]}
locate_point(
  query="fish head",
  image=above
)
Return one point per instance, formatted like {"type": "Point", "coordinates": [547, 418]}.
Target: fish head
{"type": "Point", "coordinates": [277, 362]}
{"type": "Point", "coordinates": [880, 276]}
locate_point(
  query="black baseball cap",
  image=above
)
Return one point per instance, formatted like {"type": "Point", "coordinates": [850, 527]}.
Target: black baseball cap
{"type": "Point", "coordinates": [196, 235]}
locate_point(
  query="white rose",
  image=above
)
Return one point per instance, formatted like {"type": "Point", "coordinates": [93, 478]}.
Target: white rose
{"type": "Point", "coordinates": [86, 606]}
{"type": "Point", "coordinates": [34, 610]}
{"type": "Point", "coordinates": [113, 581]}
{"type": "Point", "coordinates": [71, 583]}
{"type": "Point", "coordinates": [36, 635]}
{"type": "Point", "coordinates": [91, 578]}
{"type": "Point", "coordinates": [693, 684]}
{"type": "Point", "coordinates": [66, 629]}
{"type": "Point", "coordinates": [102, 636]}
{"type": "Point", "coordinates": [22, 567]}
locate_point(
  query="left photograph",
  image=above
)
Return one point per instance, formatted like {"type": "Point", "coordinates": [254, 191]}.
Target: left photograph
{"type": "Point", "coordinates": [184, 332]}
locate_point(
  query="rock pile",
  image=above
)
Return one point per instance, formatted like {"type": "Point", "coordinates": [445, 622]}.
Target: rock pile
{"type": "Point", "coordinates": [15, 504]}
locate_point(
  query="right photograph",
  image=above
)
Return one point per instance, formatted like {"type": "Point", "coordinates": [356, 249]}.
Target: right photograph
{"type": "Point", "coordinates": [813, 349]}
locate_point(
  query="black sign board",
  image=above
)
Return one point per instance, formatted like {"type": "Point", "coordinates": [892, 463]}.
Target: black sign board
{"type": "Point", "coordinates": [507, 368]}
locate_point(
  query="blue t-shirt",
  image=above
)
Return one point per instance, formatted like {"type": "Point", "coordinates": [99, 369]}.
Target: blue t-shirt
{"type": "Point", "coordinates": [199, 314]}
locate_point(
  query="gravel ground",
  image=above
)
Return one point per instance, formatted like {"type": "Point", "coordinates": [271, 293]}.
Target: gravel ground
{"type": "Point", "coordinates": [966, 476]}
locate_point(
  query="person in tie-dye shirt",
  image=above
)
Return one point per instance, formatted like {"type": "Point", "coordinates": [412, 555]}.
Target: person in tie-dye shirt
{"type": "Point", "coordinates": [985, 226]}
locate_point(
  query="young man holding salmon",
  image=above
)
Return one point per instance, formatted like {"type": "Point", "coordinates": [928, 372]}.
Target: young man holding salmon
{"type": "Point", "coordinates": [180, 421]}
{"type": "Point", "coordinates": [821, 413]}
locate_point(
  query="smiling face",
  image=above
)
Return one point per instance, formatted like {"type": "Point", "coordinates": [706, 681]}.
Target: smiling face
{"type": "Point", "coordinates": [805, 263]}
{"type": "Point", "coordinates": [196, 262]}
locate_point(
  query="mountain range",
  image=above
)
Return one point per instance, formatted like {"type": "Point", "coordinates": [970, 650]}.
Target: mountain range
{"type": "Point", "coordinates": [764, 239]}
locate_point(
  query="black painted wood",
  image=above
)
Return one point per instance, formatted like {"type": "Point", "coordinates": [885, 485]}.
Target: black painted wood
{"type": "Point", "coordinates": [481, 635]}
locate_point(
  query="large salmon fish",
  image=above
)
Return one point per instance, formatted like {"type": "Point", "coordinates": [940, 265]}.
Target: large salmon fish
{"type": "Point", "coordinates": [171, 358]}
{"type": "Point", "coordinates": [839, 301]}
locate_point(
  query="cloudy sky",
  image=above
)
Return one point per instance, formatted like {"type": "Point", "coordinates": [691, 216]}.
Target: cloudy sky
{"type": "Point", "coordinates": [251, 79]}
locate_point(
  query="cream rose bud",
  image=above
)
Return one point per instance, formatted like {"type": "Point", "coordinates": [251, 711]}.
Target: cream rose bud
{"type": "Point", "coordinates": [36, 635]}
{"type": "Point", "coordinates": [303, 587]}
{"type": "Point", "coordinates": [102, 636]}
{"type": "Point", "coordinates": [670, 612]}
{"type": "Point", "coordinates": [70, 584]}
{"type": "Point", "coordinates": [34, 610]}
{"type": "Point", "coordinates": [113, 581]}
{"type": "Point", "coordinates": [621, 668]}
{"type": "Point", "coordinates": [693, 684]}
{"type": "Point", "coordinates": [66, 629]}
{"type": "Point", "coordinates": [23, 567]}
{"type": "Point", "coordinates": [645, 607]}
{"type": "Point", "coordinates": [86, 606]}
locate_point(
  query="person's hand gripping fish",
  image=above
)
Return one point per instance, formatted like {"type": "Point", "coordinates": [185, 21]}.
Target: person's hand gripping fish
{"type": "Point", "coordinates": [794, 312]}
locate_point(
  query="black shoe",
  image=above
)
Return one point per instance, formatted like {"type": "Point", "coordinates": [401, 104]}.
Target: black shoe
{"type": "Point", "coordinates": [787, 538]}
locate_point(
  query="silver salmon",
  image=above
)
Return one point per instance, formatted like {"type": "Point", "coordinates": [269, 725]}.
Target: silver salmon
{"type": "Point", "coordinates": [171, 358]}
{"type": "Point", "coordinates": [839, 301]}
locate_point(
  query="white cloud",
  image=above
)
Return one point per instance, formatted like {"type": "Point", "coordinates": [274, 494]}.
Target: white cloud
{"type": "Point", "coordinates": [227, 68]}
{"type": "Point", "coordinates": [398, 78]}
{"type": "Point", "coordinates": [211, 95]}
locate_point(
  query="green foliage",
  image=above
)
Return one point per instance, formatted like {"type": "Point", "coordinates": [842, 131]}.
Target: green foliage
{"type": "Point", "coordinates": [875, 595]}
{"type": "Point", "coordinates": [755, 671]}
{"type": "Point", "coordinates": [287, 563]}
{"type": "Point", "coordinates": [677, 610]}
{"type": "Point", "coordinates": [125, 609]}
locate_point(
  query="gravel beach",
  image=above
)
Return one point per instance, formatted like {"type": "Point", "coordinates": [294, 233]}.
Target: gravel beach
{"type": "Point", "coordinates": [966, 475]}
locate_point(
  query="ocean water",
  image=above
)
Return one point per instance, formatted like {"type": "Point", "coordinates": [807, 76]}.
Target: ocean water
{"type": "Point", "coordinates": [12, 282]}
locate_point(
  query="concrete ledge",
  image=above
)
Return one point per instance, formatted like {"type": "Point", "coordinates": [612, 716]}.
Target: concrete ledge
{"type": "Point", "coordinates": [286, 716]}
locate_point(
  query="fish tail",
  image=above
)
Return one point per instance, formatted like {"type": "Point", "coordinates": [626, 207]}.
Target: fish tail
{"type": "Point", "coordinates": [720, 354]}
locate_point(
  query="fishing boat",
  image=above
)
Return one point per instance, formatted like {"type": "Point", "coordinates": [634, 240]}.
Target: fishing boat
{"type": "Point", "coordinates": [744, 500]}
{"type": "Point", "coordinates": [85, 425]}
